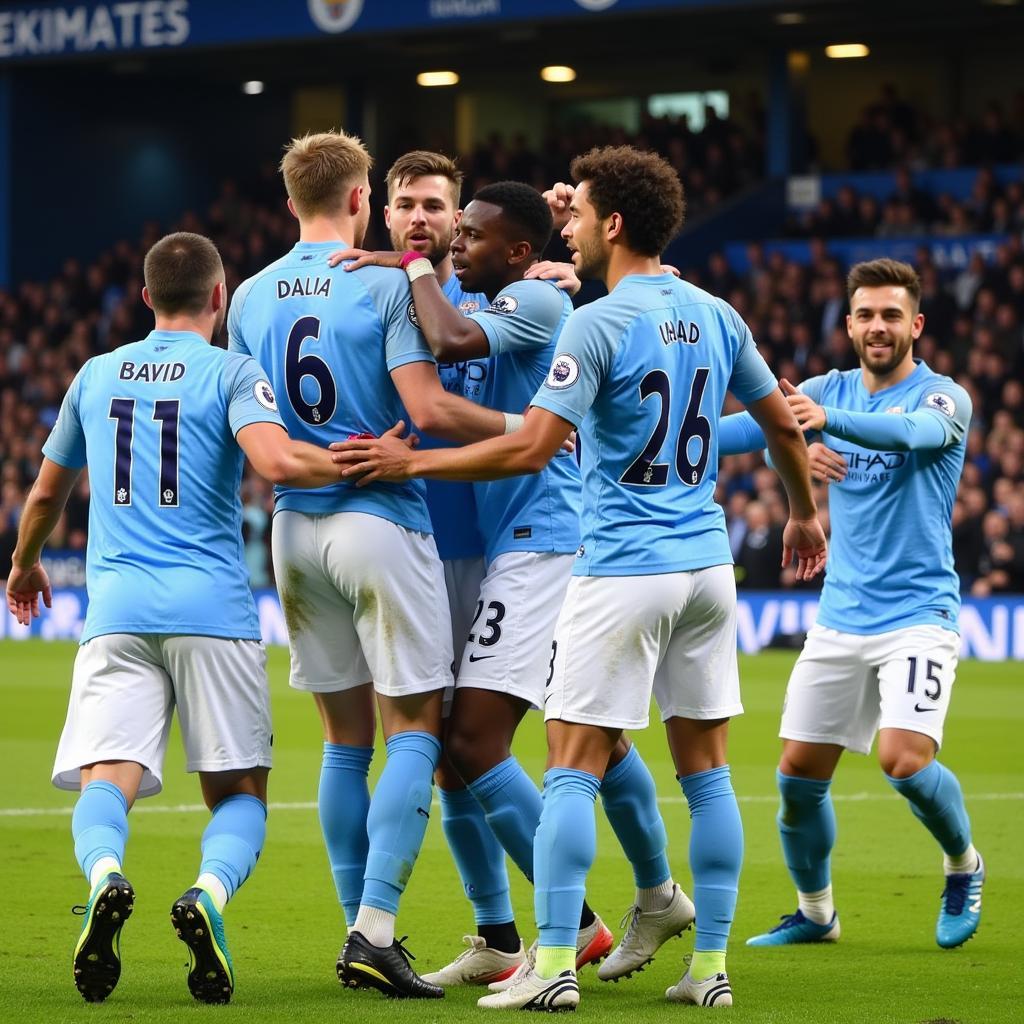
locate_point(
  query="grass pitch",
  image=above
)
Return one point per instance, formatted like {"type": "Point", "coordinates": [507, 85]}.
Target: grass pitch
{"type": "Point", "coordinates": [285, 927]}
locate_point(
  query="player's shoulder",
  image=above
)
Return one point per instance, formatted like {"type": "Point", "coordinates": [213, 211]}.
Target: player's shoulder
{"type": "Point", "coordinates": [534, 296]}
{"type": "Point", "coordinates": [937, 391]}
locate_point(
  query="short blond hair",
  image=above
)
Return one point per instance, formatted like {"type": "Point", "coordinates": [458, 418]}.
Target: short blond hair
{"type": "Point", "coordinates": [319, 168]}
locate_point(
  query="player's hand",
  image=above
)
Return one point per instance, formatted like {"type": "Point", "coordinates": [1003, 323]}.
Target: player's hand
{"type": "Point", "coordinates": [667, 268]}
{"type": "Point", "coordinates": [809, 414]}
{"type": "Point", "coordinates": [826, 465]}
{"type": "Point", "coordinates": [23, 589]}
{"type": "Point", "coordinates": [558, 198]}
{"type": "Point", "coordinates": [388, 457]}
{"type": "Point", "coordinates": [804, 539]}
{"type": "Point", "coordinates": [562, 274]}
{"type": "Point", "coordinates": [364, 258]}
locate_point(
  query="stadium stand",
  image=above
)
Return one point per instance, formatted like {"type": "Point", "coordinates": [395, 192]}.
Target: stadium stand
{"type": "Point", "coordinates": [974, 318]}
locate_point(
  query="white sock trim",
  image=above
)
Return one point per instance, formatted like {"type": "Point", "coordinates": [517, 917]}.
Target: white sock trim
{"type": "Point", "coordinates": [817, 906]}
{"type": "Point", "coordinates": [216, 888]}
{"type": "Point", "coordinates": [657, 897]}
{"type": "Point", "coordinates": [375, 925]}
{"type": "Point", "coordinates": [101, 869]}
{"type": "Point", "coordinates": [967, 863]}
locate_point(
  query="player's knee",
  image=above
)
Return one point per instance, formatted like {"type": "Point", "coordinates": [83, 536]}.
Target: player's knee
{"type": "Point", "coordinates": [473, 752]}
{"type": "Point", "coordinates": [901, 764]}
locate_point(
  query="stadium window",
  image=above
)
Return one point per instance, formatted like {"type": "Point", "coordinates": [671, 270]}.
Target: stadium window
{"type": "Point", "coordinates": [692, 104]}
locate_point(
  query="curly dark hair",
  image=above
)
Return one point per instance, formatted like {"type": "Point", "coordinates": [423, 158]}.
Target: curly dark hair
{"type": "Point", "coordinates": [524, 209]}
{"type": "Point", "coordinates": [642, 187]}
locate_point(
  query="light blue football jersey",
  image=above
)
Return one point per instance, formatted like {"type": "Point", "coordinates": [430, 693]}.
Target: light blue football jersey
{"type": "Point", "coordinates": [329, 339]}
{"type": "Point", "coordinates": [890, 559]}
{"type": "Point", "coordinates": [540, 511]}
{"type": "Point", "coordinates": [156, 421]}
{"type": "Point", "coordinates": [450, 503]}
{"type": "Point", "coordinates": [643, 373]}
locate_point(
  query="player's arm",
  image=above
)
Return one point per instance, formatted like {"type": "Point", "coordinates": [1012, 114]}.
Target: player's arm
{"type": "Point", "coordinates": [738, 434]}
{"type": "Point", "coordinates": [443, 414]}
{"type": "Point", "coordinates": [940, 422]}
{"type": "Point", "coordinates": [803, 535]}
{"type": "Point", "coordinates": [282, 461]}
{"type": "Point", "coordinates": [43, 509]}
{"type": "Point", "coordinates": [450, 335]}
{"type": "Point", "coordinates": [755, 385]}
{"type": "Point", "coordinates": [526, 451]}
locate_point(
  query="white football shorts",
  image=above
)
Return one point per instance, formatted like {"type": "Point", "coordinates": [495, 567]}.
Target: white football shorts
{"type": "Point", "coordinates": [509, 644]}
{"type": "Point", "coordinates": [844, 687]}
{"type": "Point", "coordinates": [124, 690]}
{"type": "Point", "coordinates": [364, 600]}
{"type": "Point", "coordinates": [462, 578]}
{"type": "Point", "coordinates": [619, 637]}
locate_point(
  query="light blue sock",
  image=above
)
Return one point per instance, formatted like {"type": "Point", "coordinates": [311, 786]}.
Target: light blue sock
{"type": "Point", "coordinates": [478, 856]}
{"type": "Point", "coordinates": [512, 804]}
{"type": "Point", "coordinates": [807, 828]}
{"type": "Point", "coordinates": [99, 824]}
{"type": "Point", "coordinates": [344, 802]}
{"type": "Point", "coordinates": [935, 797]}
{"type": "Point", "coordinates": [631, 803]}
{"type": "Point", "coordinates": [397, 822]}
{"type": "Point", "coordinates": [563, 852]}
{"type": "Point", "coordinates": [233, 840]}
{"type": "Point", "coordinates": [716, 853]}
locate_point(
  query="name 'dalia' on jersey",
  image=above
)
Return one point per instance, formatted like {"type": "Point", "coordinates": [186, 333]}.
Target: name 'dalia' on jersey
{"type": "Point", "coordinates": [311, 287]}
{"type": "Point", "coordinates": [152, 373]}
{"type": "Point", "coordinates": [679, 332]}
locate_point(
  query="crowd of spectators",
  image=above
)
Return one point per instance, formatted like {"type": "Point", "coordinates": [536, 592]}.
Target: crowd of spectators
{"type": "Point", "coordinates": [912, 212]}
{"type": "Point", "coordinates": [973, 333]}
{"type": "Point", "coordinates": [713, 163]}
{"type": "Point", "coordinates": [892, 132]}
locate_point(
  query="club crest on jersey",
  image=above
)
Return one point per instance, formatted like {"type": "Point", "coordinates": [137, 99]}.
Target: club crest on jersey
{"type": "Point", "coordinates": [411, 314]}
{"type": "Point", "coordinates": [895, 410]}
{"type": "Point", "coordinates": [565, 371]}
{"type": "Point", "coordinates": [504, 304]}
{"type": "Point", "coordinates": [335, 15]}
{"type": "Point", "coordinates": [468, 306]}
{"type": "Point", "coordinates": [264, 394]}
{"type": "Point", "coordinates": [943, 403]}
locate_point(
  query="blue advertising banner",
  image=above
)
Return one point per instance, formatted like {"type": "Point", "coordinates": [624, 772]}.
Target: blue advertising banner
{"type": "Point", "coordinates": [946, 253]}
{"type": "Point", "coordinates": [805, 192]}
{"type": "Point", "coordinates": [991, 629]}
{"type": "Point", "coordinates": [47, 30]}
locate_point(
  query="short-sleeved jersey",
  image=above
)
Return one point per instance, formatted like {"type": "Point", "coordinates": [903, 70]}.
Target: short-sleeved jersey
{"type": "Point", "coordinates": [155, 421]}
{"type": "Point", "coordinates": [540, 511]}
{"type": "Point", "coordinates": [890, 561]}
{"type": "Point", "coordinates": [329, 339]}
{"type": "Point", "coordinates": [643, 373]}
{"type": "Point", "coordinates": [450, 503]}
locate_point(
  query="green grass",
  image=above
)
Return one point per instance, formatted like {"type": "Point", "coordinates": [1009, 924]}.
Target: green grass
{"type": "Point", "coordinates": [285, 928]}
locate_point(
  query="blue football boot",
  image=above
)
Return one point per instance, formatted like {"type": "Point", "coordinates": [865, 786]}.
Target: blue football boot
{"type": "Point", "coordinates": [961, 907]}
{"type": "Point", "coordinates": [796, 928]}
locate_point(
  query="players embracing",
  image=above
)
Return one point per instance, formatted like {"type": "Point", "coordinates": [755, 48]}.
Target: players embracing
{"type": "Point", "coordinates": [652, 601]}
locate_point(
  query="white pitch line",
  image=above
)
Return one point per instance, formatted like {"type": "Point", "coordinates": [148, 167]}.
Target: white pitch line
{"type": "Point", "coordinates": [147, 808]}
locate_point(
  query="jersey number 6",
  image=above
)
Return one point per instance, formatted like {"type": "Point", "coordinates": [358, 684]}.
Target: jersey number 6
{"type": "Point", "coordinates": [297, 366]}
